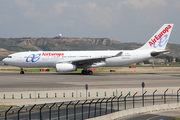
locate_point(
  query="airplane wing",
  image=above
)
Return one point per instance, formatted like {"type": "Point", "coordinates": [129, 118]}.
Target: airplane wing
{"type": "Point", "coordinates": [90, 61]}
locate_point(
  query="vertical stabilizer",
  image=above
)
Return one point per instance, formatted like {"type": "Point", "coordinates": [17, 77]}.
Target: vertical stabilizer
{"type": "Point", "coordinates": [159, 40]}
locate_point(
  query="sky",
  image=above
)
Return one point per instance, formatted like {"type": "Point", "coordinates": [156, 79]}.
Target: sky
{"type": "Point", "coordinates": [122, 20]}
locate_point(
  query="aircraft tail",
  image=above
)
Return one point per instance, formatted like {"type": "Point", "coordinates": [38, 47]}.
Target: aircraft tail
{"type": "Point", "coordinates": [159, 40]}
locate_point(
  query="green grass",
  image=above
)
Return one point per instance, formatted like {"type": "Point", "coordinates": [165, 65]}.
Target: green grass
{"type": "Point", "coordinates": [177, 118]}
{"type": "Point", "coordinates": [107, 69]}
{"type": "Point", "coordinates": [176, 75]}
{"type": "Point", "coordinates": [29, 70]}
{"type": "Point", "coordinates": [102, 69]}
{"type": "Point", "coordinates": [54, 70]}
{"type": "Point", "coordinates": [9, 69]}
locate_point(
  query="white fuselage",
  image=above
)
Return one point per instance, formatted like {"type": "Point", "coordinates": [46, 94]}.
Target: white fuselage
{"type": "Point", "coordinates": [51, 58]}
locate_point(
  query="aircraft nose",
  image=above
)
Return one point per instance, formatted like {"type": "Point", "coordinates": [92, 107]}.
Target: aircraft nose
{"type": "Point", "coordinates": [4, 60]}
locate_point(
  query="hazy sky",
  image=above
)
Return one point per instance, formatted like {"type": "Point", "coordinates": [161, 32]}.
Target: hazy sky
{"type": "Point", "coordinates": [122, 20]}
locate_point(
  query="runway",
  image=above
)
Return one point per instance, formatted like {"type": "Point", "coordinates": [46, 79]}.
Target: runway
{"type": "Point", "coordinates": [67, 81]}
{"type": "Point", "coordinates": [12, 82]}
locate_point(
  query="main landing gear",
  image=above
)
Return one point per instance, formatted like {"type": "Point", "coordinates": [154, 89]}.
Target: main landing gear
{"type": "Point", "coordinates": [21, 72]}
{"type": "Point", "coordinates": [87, 72]}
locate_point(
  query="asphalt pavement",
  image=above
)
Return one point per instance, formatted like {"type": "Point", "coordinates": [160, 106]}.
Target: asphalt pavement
{"type": "Point", "coordinates": [14, 82]}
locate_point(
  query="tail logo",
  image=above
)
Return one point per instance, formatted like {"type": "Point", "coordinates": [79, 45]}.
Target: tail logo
{"type": "Point", "coordinates": [162, 41]}
{"type": "Point", "coordinates": [160, 37]}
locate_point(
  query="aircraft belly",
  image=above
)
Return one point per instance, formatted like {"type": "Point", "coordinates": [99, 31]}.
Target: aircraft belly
{"type": "Point", "coordinates": [100, 64]}
{"type": "Point", "coordinates": [118, 62]}
{"type": "Point", "coordinates": [121, 60]}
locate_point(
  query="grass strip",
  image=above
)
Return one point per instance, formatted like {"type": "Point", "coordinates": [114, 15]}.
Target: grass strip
{"type": "Point", "coordinates": [103, 69]}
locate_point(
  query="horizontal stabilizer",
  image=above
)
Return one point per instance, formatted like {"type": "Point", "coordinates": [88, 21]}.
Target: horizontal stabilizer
{"type": "Point", "coordinates": [157, 53]}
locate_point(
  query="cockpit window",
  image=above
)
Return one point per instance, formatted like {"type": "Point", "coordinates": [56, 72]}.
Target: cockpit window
{"type": "Point", "coordinates": [9, 56]}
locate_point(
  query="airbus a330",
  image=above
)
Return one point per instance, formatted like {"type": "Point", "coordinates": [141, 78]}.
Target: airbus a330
{"type": "Point", "coordinates": [65, 61]}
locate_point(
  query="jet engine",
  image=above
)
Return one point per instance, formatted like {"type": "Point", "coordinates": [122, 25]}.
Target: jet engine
{"type": "Point", "coordinates": [65, 67]}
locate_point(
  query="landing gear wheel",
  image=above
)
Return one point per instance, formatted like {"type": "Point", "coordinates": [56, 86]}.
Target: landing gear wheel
{"type": "Point", "coordinates": [22, 72]}
{"type": "Point", "coordinates": [84, 72]}
{"type": "Point", "coordinates": [90, 72]}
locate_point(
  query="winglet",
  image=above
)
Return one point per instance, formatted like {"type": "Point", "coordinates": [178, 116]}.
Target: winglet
{"type": "Point", "coordinates": [119, 54]}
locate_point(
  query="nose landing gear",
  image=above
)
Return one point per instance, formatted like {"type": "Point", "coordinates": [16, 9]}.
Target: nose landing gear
{"type": "Point", "coordinates": [21, 72]}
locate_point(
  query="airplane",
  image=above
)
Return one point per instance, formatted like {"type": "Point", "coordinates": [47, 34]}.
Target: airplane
{"type": "Point", "coordinates": [66, 61]}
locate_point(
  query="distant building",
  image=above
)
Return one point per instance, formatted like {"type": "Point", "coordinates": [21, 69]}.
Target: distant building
{"type": "Point", "coordinates": [157, 60]}
{"type": "Point", "coordinates": [174, 60]}
{"type": "Point", "coordinates": [60, 35]}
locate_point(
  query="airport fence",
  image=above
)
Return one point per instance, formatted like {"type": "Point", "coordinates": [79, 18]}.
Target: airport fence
{"type": "Point", "coordinates": [87, 108]}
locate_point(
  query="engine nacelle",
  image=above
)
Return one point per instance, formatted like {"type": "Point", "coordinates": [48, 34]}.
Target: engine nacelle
{"type": "Point", "coordinates": [65, 67]}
